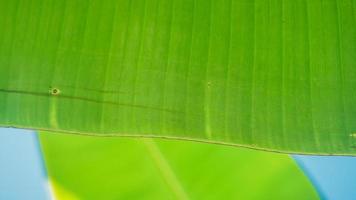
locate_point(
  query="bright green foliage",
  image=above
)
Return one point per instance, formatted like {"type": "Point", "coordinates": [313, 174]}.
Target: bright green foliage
{"type": "Point", "coordinates": [268, 74]}
{"type": "Point", "coordinates": [120, 168]}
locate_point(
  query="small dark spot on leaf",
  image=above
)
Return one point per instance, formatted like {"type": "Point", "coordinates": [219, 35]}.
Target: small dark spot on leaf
{"type": "Point", "coordinates": [55, 91]}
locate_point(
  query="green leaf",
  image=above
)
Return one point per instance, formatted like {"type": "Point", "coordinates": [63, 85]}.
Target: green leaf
{"type": "Point", "coordinates": [275, 75]}
{"type": "Point", "coordinates": [118, 168]}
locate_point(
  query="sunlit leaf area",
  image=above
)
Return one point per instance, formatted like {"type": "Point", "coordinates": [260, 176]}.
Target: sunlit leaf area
{"type": "Point", "coordinates": [177, 99]}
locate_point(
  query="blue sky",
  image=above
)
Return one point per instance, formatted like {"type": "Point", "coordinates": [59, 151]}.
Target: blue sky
{"type": "Point", "coordinates": [333, 176]}
{"type": "Point", "coordinates": [23, 174]}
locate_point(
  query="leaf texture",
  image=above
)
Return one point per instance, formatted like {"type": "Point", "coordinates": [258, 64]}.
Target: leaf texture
{"type": "Point", "coordinates": [275, 75]}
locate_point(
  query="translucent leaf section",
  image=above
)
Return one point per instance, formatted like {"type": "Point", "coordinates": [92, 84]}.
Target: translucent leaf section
{"type": "Point", "coordinates": [121, 168]}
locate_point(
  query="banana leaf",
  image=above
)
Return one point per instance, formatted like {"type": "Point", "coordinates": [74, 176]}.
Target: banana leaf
{"type": "Point", "coordinates": [277, 75]}
{"type": "Point", "coordinates": [116, 168]}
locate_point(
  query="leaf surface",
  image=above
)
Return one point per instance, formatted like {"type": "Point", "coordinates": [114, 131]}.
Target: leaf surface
{"type": "Point", "coordinates": [275, 75]}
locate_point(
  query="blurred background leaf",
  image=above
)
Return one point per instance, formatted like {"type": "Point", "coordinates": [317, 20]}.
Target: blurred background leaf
{"type": "Point", "coordinates": [125, 168]}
